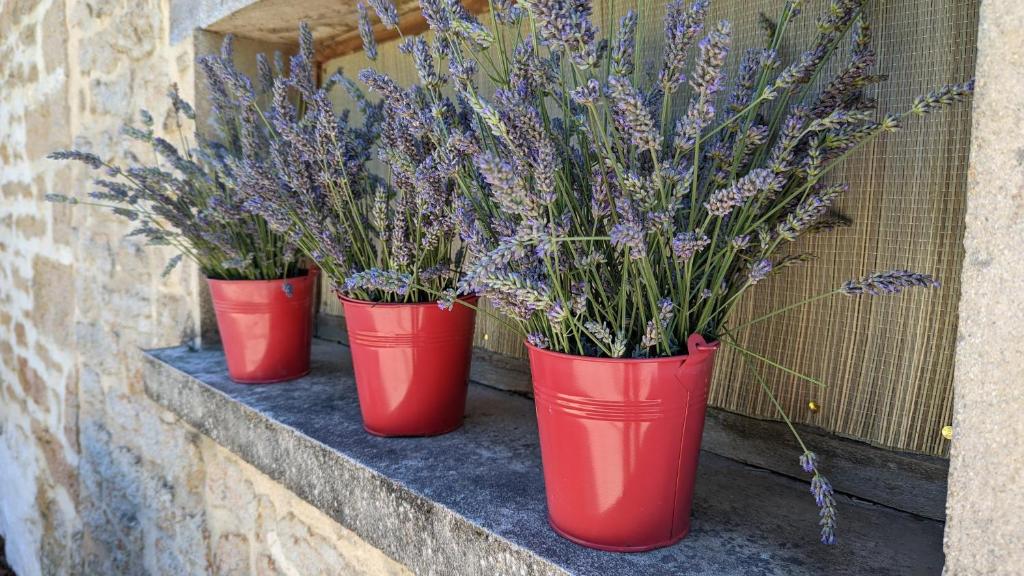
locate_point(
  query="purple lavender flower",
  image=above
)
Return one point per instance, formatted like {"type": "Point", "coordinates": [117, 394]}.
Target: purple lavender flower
{"type": "Point", "coordinates": [838, 15]}
{"type": "Point", "coordinates": [600, 332]}
{"type": "Point", "coordinates": [538, 340]}
{"type": "Point", "coordinates": [507, 187]}
{"type": "Point", "coordinates": [558, 313]}
{"type": "Point", "coordinates": [649, 339]}
{"type": "Point", "coordinates": [386, 11]}
{"type": "Point", "coordinates": [180, 105]}
{"type": "Point", "coordinates": [759, 271]}
{"type": "Point", "coordinates": [565, 25]}
{"type": "Point", "coordinates": [89, 159]}
{"type": "Point", "coordinates": [374, 279]}
{"type": "Point", "coordinates": [629, 236]}
{"type": "Point", "coordinates": [586, 94]}
{"type": "Point", "coordinates": [809, 211]}
{"type": "Point", "coordinates": [828, 222]}
{"type": "Point", "coordinates": [632, 118]}
{"type": "Point", "coordinates": [688, 244]}
{"type": "Point", "coordinates": [682, 26]}
{"type": "Point", "coordinates": [436, 13]}
{"type": "Point", "coordinates": [423, 60]}
{"type": "Point", "coordinates": [824, 497]}
{"type": "Point", "coordinates": [520, 295]}
{"type": "Point", "coordinates": [843, 89]}
{"type": "Point", "coordinates": [758, 181]}
{"type": "Point", "coordinates": [712, 51]}
{"type": "Point", "coordinates": [781, 156]}
{"type": "Point", "coordinates": [653, 331]}
{"type": "Point", "coordinates": [447, 299]}
{"type": "Point", "coordinates": [366, 32]}
{"type": "Point", "coordinates": [706, 82]}
{"type": "Point", "coordinates": [624, 48]}
{"type": "Point", "coordinates": [801, 71]}
{"type": "Point", "coordinates": [171, 265]}
{"type": "Point", "coordinates": [740, 242]}
{"type": "Point", "coordinates": [506, 11]}
{"type": "Point", "coordinates": [754, 63]}
{"type": "Point", "coordinates": [948, 94]}
{"type": "Point", "coordinates": [808, 461]}
{"type": "Point", "coordinates": [398, 101]}
{"type": "Point", "coordinates": [891, 282]}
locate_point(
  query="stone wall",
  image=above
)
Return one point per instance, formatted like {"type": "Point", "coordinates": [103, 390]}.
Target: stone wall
{"type": "Point", "coordinates": [985, 528]}
{"type": "Point", "coordinates": [94, 477]}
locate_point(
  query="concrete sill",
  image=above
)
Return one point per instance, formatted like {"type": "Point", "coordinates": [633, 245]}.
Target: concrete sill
{"type": "Point", "coordinates": [472, 502]}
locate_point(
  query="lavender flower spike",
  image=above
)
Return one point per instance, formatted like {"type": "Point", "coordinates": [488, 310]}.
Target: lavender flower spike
{"type": "Point", "coordinates": [824, 497]}
{"type": "Point", "coordinates": [949, 94]}
{"type": "Point", "coordinates": [366, 32]}
{"type": "Point", "coordinates": [891, 282]}
{"type": "Point", "coordinates": [759, 271]}
{"type": "Point", "coordinates": [755, 182]}
{"type": "Point", "coordinates": [387, 281]}
{"type": "Point", "coordinates": [681, 29]}
{"type": "Point", "coordinates": [87, 158]}
{"type": "Point", "coordinates": [538, 340]}
{"type": "Point", "coordinates": [624, 49]}
{"type": "Point", "coordinates": [808, 461]}
{"type": "Point", "coordinates": [565, 25]}
{"type": "Point", "coordinates": [586, 94]}
{"type": "Point", "coordinates": [386, 11]}
{"type": "Point", "coordinates": [632, 117]}
{"type": "Point", "coordinates": [687, 244]}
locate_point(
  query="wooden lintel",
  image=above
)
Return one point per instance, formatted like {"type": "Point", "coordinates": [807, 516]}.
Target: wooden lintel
{"type": "Point", "coordinates": [411, 24]}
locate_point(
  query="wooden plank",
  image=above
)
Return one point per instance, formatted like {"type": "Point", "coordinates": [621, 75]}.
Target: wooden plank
{"type": "Point", "coordinates": [410, 24]}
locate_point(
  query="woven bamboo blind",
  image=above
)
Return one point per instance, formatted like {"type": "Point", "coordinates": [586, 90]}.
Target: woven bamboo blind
{"type": "Point", "coordinates": [888, 362]}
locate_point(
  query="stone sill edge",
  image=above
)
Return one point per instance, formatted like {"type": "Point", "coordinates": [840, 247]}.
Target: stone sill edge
{"type": "Point", "coordinates": [375, 489]}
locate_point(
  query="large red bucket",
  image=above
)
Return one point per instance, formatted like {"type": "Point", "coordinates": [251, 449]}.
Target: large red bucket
{"type": "Point", "coordinates": [411, 365]}
{"type": "Point", "coordinates": [265, 326]}
{"type": "Point", "coordinates": [619, 442]}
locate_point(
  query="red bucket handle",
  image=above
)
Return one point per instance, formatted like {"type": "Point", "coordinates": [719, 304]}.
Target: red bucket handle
{"type": "Point", "coordinates": [698, 352]}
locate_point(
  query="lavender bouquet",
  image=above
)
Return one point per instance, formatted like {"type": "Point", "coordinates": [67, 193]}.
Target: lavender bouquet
{"type": "Point", "coordinates": [612, 213]}
{"type": "Point", "coordinates": [187, 198]}
{"type": "Point", "coordinates": [377, 239]}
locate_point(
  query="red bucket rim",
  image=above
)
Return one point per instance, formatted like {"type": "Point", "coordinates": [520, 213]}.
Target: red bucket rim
{"type": "Point", "coordinates": [310, 274]}
{"type": "Point", "coordinates": [700, 342]}
{"type": "Point", "coordinates": [471, 299]}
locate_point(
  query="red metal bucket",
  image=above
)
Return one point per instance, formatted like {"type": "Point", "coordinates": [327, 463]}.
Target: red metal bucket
{"type": "Point", "coordinates": [265, 326]}
{"type": "Point", "coordinates": [619, 443]}
{"type": "Point", "coordinates": [411, 365]}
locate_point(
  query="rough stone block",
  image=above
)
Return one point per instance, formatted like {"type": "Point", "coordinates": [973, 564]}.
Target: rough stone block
{"type": "Point", "coordinates": [47, 125]}
{"type": "Point", "coordinates": [53, 312]}
{"type": "Point", "coordinates": [231, 555]}
{"type": "Point", "coordinates": [30, 227]}
{"type": "Point", "coordinates": [33, 385]}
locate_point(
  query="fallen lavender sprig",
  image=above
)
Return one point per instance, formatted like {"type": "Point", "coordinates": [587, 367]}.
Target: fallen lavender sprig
{"type": "Point", "coordinates": [824, 497]}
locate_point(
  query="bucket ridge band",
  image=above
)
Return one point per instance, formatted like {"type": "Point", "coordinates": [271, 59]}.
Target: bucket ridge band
{"type": "Point", "coordinates": [411, 340]}
{"type": "Point", "coordinates": [618, 409]}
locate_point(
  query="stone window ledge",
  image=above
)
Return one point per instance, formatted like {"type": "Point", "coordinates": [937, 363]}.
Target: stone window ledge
{"type": "Point", "coordinates": [472, 502]}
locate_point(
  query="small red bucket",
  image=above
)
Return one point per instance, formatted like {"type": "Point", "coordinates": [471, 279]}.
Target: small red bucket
{"type": "Point", "coordinates": [411, 365]}
{"type": "Point", "coordinates": [619, 442]}
{"type": "Point", "coordinates": [265, 326]}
